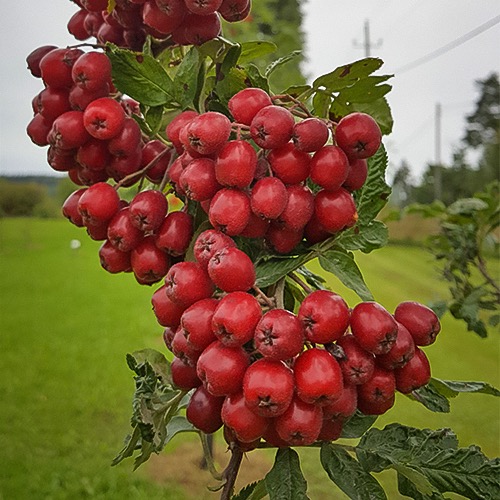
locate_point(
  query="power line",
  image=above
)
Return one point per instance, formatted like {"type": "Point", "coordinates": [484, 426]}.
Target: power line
{"type": "Point", "coordinates": [446, 48]}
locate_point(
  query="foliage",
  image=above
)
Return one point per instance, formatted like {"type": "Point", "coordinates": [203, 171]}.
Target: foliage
{"type": "Point", "coordinates": [468, 232]}
{"type": "Point", "coordinates": [21, 199]}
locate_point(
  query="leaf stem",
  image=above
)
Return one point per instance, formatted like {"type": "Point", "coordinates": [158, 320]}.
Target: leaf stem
{"type": "Point", "coordinates": [264, 297]}
{"type": "Point", "coordinates": [299, 282]}
{"type": "Point", "coordinates": [209, 459]}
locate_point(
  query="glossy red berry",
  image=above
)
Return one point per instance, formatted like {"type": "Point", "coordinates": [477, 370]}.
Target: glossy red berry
{"type": "Point", "coordinates": [70, 208]}
{"type": "Point", "coordinates": [335, 210]}
{"type": "Point", "coordinates": [414, 374]}
{"type": "Point", "coordinates": [358, 173]}
{"type": "Point", "coordinates": [236, 164]}
{"type": "Point", "coordinates": [324, 315]}
{"type": "Point", "coordinates": [104, 118]}
{"type": "Point", "coordinates": [184, 375]}
{"type": "Point", "coordinates": [268, 198]}
{"type": "Point", "coordinates": [92, 71]}
{"type": "Point", "coordinates": [98, 204]}
{"type": "Point", "coordinates": [299, 207]}
{"type": "Point", "coordinates": [279, 335]}
{"type": "Point", "coordinates": [318, 377]}
{"type": "Point", "coordinates": [272, 127]}
{"type": "Point", "coordinates": [208, 243]}
{"type": "Point", "coordinates": [148, 209]}
{"type": "Point", "coordinates": [229, 211]}
{"type": "Point", "coordinates": [310, 134]}
{"type": "Point", "coordinates": [113, 260]}
{"type": "Point", "coordinates": [187, 282]}
{"type": "Point", "coordinates": [235, 318]}
{"type": "Point", "coordinates": [167, 313]}
{"type": "Point", "coordinates": [329, 168]}
{"type": "Point", "coordinates": [420, 320]}
{"type": "Point", "coordinates": [222, 368]}
{"type": "Point", "coordinates": [300, 424]}
{"type": "Point", "coordinates": [268, 387]}
{"type": "Point", "coordinates": [358, 134]}
{"type": "Point", "coordinates": [374, 327]}
{"type": "Point", "coordinates": [345, 406]}
{"type": "Point", "coordinates": [246, 103]}
{"type": "Point", "coordinates": [196, 322]}
{"type": "Point", "coordinates": [288, 163]}
{"type": "Point", "coordinates": [149, 263]}
{"type": "Point", "coordinates": [379, 388]}
{"type": "Point", "coordinates": [198, 180]}
{"type": "Point", "coordinates": [401, 352]}
{"type": "Point", "coordinates": [203, 411]}
{"type": "Point", "coordinates": [247, 425]}
{"type": "Point", "coordinates": [208, 132]}
{"type": "Point", "coordinates": [122, 233]}
{"type": "Point", "coordinates": [357, 364]}
{"type": "Point", "coordinates": [175, 233]}
{"type": "Point", "coordinates": [232, 270]}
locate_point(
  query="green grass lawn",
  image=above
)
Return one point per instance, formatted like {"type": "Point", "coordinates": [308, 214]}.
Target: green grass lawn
{"type": "Point", "coordinates": [65, 390]}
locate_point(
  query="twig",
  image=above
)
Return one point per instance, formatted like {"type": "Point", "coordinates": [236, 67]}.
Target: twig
{"type": "Point", "coordinates": [231, 472]}
{"type": "Point", "coordinates": [279, 294]}
{"type": "Point", "coordinates": [299, 282]}
{"type": "Point", "coordinates": [264, 297]}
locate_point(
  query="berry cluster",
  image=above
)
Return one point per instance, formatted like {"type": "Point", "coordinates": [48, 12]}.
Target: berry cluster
{"type": "Point", "coordinates": [183, 22]}
{"type": "Point", "coordinates": [277, 179]}
{"type": "Point", "coordinates": [85, 122]}
{"type": "Point", "coordinates": [265, 372]}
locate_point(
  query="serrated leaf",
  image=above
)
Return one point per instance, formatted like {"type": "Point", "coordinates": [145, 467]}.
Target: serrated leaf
{"type": "Point", "coordinates": [348, 74]}
{"type": "Point", "coordinates": [407, 488]}
{"type": "Point", "coordinates": [434, 455]}
{"type": "Point", "coordinates": [366, 237]}
{"type": "Point", "coordinates": [451, 388]}
{"type": "Point", "coordinates": [342, 264]}
{"type": "Point", "coordinates": [131, 443]}
{"type": "Point", "coordinates": [216, 49]}
{"type": "Point", "coordinates": [431, 399]}
{"type": "Point", "coordinates": [366, 90]}
{"type": "Point", "coordinates": [285, 480]}
{"type": "Point", "coordinates": [271, 68]}
{"type": "Point", "coordinates": [234, 80]}
{"type": "Point", "coordinates": [154, 117]}
{"type": "Point", "coordinates": [253, 491]}
{"type": "Point", "coordinates": [156, 360]}
{"type": "Point", "coordinates": [255, 49]}
{"type": "Point", "coordinates": [298, 91]}
{"type": "Point", "coordinates": [186, 79]}
{"type": "Point", "coordinates": [270, 271]}
{"type": "Point", "coordinates": [140, 76]}
{"type": "Point", "coordinates": [357, 425]}
{"type": "Point", "coordinates": [346, 472]}
{"type": "Point", "coordinates": [374, 194]}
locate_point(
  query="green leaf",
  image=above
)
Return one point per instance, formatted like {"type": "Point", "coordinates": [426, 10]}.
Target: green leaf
{"type": "Point", "coordinates": [366, 237]}
{"type": "Point", "coordinates": [298, 91]}
{"type": "Point", "coordinates": [177, 425]}
{"type": "Point", "coordinates": [270, 271]}
{"type": "Point", "coordinates": [140, 76]}
{"type": "Point", "coordinates": [431, 460]}
{"type": "Point", "coordinates": [346, 75]}
{"type": "Point", "coordinates": [186, 78]}
{"type": "Point", "coordinates": [342, 265]}
{"type": "Point", "coordinates": [256, 78]}
{"type": "Point", "coordinates": [346, 472]}
{"type": "Point", "coordinates": [285, 480]}
{"type": "Point", "coordinates": [321, 104]}
{"type": "Point", "coordinates": [235, 79]}
{"type": "Point", "coordinates": [407, 488]}
{"type": "Point", "coordinates": [366, 90]}
{"type": "Point", "coordinates": [373, 196]}
{"type": "Point", "coordinates": [157, 361]}
{"type": "Point", "coordinates": [253, 491]}
{"type": "Point", "coordinates": [154, 117]}
{"type": "Point", "coordinates": [216, 49]}
{"type": "Point", "coordinates": [271, 68]}
{"type": "Point", "coordinates": [255, 50]}
{"type": "Point", "coordinates": [357, 425]}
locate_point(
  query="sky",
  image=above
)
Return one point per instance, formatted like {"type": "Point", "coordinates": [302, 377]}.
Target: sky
{"type": "Point", "coordinates": [401, 32]}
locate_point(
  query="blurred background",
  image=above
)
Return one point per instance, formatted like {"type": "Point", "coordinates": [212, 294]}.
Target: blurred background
{"type": "Point", "coordinates": [66, 325]}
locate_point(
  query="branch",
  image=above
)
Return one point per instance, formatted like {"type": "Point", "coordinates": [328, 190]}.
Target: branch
{"type": "Point", "coordinates": [231, 472]}
{"type": "Point", "coordinates": [209, 459]}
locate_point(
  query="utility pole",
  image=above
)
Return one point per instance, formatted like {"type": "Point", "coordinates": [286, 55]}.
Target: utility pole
{"type": "Point", "coordinates": [438, 180]}
{"type": "Point", "coordinates": [367, 43]}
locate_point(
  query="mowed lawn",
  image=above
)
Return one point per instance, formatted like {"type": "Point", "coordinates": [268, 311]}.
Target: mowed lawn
{"type": "Point", "coordinates": [65, 390]}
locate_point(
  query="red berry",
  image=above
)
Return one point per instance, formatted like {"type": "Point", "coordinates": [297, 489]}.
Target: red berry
{"type": "Point", "coordinates": [183, 375]}
{"type": "Point", "coordinates": [198, 180]}
{"type": "Point", "coordinates": [207, 133]}
{"type": "Point", "coordinates": [148, 210]}
{"type": "Point", "coordinates": [196, 322]}
{"type": "Point", "coordinates": [300, 424]}
{"type": "Point", "coordinates": [416, 373]}
{"type": "Point", "coordinates": [420, 320]}
{"type": "Point", "coordinates": [246, 425]}
{"type": "Point", "coordinates": [70, 208]}
{"type": "Point", "coordinates": [98, 204]}
{"type": "Point", "coordinates": [187, 282]}
{"type": "Point", "coordinates": [128, 140]}
{"type": "Point", "coordinates": [272, 127]}
{"type": "Point", "coordinates": [56, 65]}
{"type": "Point", "coordinates": [401, 352]}
{"type": "Point", "coordinates": [299, 207]}
{"type": "Point", "coordinates": [324, 315]}
{"type": "Point", "coordinates": [283, 239]}
{"type": "Point", "coordinates": [174, 127]}
{"type": "Point", "coordinates": [335, 210]}
{"type": "Point", "coordinates": [235, 10]}
{"type": "Point", "coordinates": [345, 406]}
{"type": "Point", "coordinates": [33, 59]}
{"type": "Point", "coordinates": [245, 104]}
{"type": "Point", "coordinates": [208, 243]}
{"type": "Point", "coordinates": [329, 168]}
{"type": "Point", "coordinates": [318, 377]}
{"type": "Point", "coordinates": [122, 234]}
{"type": "Point", "coordinates": [68, 131]}
{"type": "Point", "coordinates": [357, 365]}
{"type": "Point", "coordinates": [236, 164]}
{"type": "Point", "coordinates": [164, 16]}
{"type": "Point", "coordinates": [268, 198]}
{"type": "Point", "coordinates": [203, 411]}
{"type": "Point", "coordinates": [279, 335]}
{"type": "Point", "coordinates": [222, 368]}
{"type": "Point", "coordinates": [331, 429]}
{"type": "Point", "coordinates": [379, 388]}
{"type": "Point", "coordinates": [374, 327]}
{"type": "Point", "coordinates": [230, 211]}
{"type": "Point", "coordinates": [235, 318]}
{"type": "Point", "coordinates": [268, 387]}
{"type": "Point", "coordinates": [175, 233]}
{"type": "Point", "coordinates": [232, 270]}
{"type": "Point", "coordinates": [92, 71]}
{"type": "Point", "coordinates": [289, 164]}
{"type": "Point", "coordinates": [112, 259]}
{"type": "Point", "coordinates": [149, 263]}
{"type": "Point", "coordinates": [104, 118]}
{"type": "Point", "coordinates": [310, 134]}
{"type": "Point", "coordinates": [203, 7]}
{"type": "Point", "coordinates": [358, 172]}
{"type": "Point", "coordinates": [167, 313]}
{"type": "Point", "coordinates": [358, 134]}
